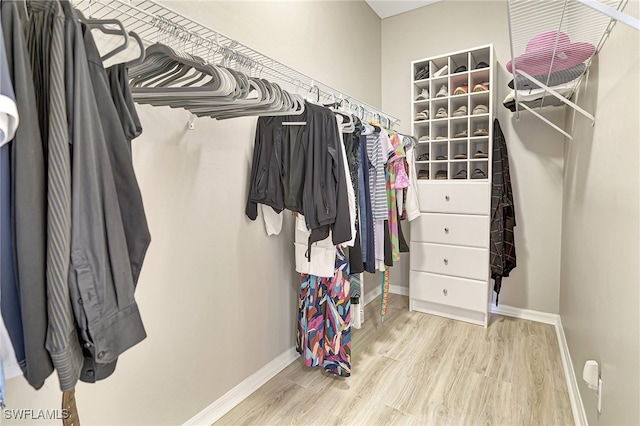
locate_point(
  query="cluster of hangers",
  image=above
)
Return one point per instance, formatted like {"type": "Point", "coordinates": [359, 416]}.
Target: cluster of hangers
{"type": "Point", "coordinates": [224, 84]}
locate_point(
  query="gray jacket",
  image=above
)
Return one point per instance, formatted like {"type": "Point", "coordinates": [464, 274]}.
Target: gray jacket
{"type": "Point", "coordinates": [100, 278]}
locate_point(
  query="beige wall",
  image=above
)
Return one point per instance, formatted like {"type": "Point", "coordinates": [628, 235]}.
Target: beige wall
{"type": "Point", "coordinates": [218, 297]}
{"type": "Point", "coordinates": [535, 150]}
{"type": "Point", "coordinates": [599, 292]}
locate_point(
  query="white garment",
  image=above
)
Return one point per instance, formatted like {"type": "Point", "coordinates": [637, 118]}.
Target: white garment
{"type": "Point", "coordinates": [8, 119]}
{"type": "Point", "coordinates": [272, 220]}
{"type": "Point", "coordinates": [323, 253]}
{"type": "Point", "coordinates": [412, 206]}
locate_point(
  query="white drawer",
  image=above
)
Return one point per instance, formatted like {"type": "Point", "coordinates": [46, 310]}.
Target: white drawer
{"type": "Point", "coordinates": [458, 292]}
{"type": "Point", "coordinates": [445, 197]}
{"type": "Point", "coordinates": [466, 262]}
{"type": "Point", "coordinates": [464, 230]}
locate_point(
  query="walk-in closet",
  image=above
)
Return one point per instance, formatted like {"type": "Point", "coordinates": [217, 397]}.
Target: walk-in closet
{"type": "Point", "coordinates": [346, 212]}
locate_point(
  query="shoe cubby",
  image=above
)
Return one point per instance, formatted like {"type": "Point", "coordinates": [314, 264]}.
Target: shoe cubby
{"type": "Point", "coordinates": [459, 171]}
{"type": "Point", "coordinates": [478, 170]}
{"type": "Point", "coordinates": [439, 152]}
{"type": "Point", "coordinates": [446, 137]}
{"type": "Point", "coordinates": [458, 150]}
{"type": "Point", "coordinates": [459, 128]}
{"type": "Point", "coordinates": [439, 130]}
{"type": "Point", "coordinates": [439, 171]}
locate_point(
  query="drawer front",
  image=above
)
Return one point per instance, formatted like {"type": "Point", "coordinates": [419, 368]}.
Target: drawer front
{"type": "Point", "coordinates": [459, 292]}
{"type": "Point", "coordinates": [465, 262]}
{"type": "Point", "coordinates": [464, 230]}
{"type": "Point", "coordinates": [470, 198]}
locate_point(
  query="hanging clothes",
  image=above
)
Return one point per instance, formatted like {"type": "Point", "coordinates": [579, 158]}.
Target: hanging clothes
{"type": "Point", "coordinates": [503, 216]}
{"type": "Point", "coordinates": [24, 301]}
{"type": "Point", "coordinates": [323, 336]}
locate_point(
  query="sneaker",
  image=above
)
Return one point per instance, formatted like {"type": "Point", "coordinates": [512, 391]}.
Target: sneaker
{"type": "Point", "coordinates": [424, 138]}
{"type": "Point", "coordinates": [460, 112]}
{"type": "Point", "coordinates": [481, 87]}
{"type": "Point", "coordinates": [462, 134]}
{"type": "Point", "coordinates": [461, 68]}
{"type": "Point", "coordinates": [442, 71]}
{"type": "Point", "coordinates": [462, 156]}
{"type": "Point", "coordinates": [444, 91]}
{"type": "Point", "coordinates": [481, 132]}
{"type": "Point", "coordinates": [480, 154]}
{"type": "Point", "coordinates": [478, 174]}
{"type": "Point", "coordinates": [423, 96]}
{"type": "Point", "coordinates": [482, 65]}
{"type": "Point", "coordinates": [480, 109]}
{"type": "Point", "coordinates": [423, 174]}
{"type": "Point", "coordinates": [442, 113]}
{"type": "Point", "coordinates": [423, 157]}
{"type": "Point", "coordinates": [423, 115]}
{"type": "Point", "coordinates": [461, 90]}
{"type": "Point", "coordinates": [441, 174]}
{"type": "Point", "coordinates": [462, 174]}
{"type": "Point", "coordinates": [441, 157]}
{"type": "Point", "coordinates": [441, 138]}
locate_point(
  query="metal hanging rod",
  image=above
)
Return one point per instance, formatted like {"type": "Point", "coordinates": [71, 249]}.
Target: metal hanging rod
{"type": "Point", "coordinates": [157, 23]}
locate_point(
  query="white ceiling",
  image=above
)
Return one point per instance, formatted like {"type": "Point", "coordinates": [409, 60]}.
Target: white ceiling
{"type": "Point", "coordinates": [388, 8]}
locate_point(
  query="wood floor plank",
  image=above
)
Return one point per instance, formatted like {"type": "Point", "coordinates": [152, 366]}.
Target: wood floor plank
{"type": "Point", "coordinates": [421, 369]}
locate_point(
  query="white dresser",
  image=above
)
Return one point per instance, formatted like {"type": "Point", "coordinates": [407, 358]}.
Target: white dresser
{"type": "Point", "coordinates": [449, 257]}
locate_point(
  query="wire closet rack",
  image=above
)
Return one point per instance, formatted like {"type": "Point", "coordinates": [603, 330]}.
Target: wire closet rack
{"type": "Point", "coordinates": [154, 22]}
{"type": "Point", "coordinates": [576, 31]}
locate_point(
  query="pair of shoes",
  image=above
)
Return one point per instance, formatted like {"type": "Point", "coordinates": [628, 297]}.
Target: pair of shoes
{"type": "Point", "coordinates": [442, 71]}
{"type": "Point", "coordinates": [462, 174]}
{"type": "Point", "coordinates": [460, 112]}
{"type": "Point", "coordinates": [480, 109]}
{"type": "Point", "coordinates": [441, 157]}
{"type": "Point", "coordinates": [481, 87]}
{"type": "Point", "coordinates": [462, 134]}
{"type": "Point", "coordinates": [480, 154]}
{"type": "Point", "coordinates": [422, 73]}
{"type": "Point", "coordinates": [441, 138]}
{"type": "Point", "coordinates": [441, 174]}
{"type": "Point", "coordinates": [423, 115]}
{"type": "Point", "coordinates": [423, 157]}
{"type": "Point", "coordinates": [461, 156]}
{"type": "Point", "coordinates": [423, 174]}
{"type": "Point", "coordinates": [441, 113]}
{"type": "Point", "coordinates": [478, 174]}
{"type": "Point", "coordinates": [444, 91]}
{"type": "Point", "coordinates": [424, 138]}
{"type": "Point", "coordinates": [461, 68]}
{"type": "Point", "coordinates": [461, 90]}
{"type": "Point", "coordinates": [481, 132]}
{"type": "Point", "coordinates": [423, 96]}
{"type": "Point", "coordinates": [481, 65]}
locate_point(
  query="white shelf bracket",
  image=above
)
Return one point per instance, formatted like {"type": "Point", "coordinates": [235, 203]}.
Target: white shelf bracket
{"type": "Point", "coordinates": [559, 96]}
{"type": "Point", "coordinates": [546, 120]}
{"type": "Point", "coordinates": [612, 13]}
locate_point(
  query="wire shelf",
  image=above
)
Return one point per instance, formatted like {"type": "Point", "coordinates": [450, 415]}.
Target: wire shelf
{"type": "Point", "coordinates": [157, 23]}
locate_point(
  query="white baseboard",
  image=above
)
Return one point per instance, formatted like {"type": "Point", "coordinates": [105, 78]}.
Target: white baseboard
{"type": "Point", "coordinates": [372, 295]}
{"type": "Point", "coordinates": [398, 289]}
{"type": "Point", "coordinates": [577, 407]}
{"type": "Point", "coordinates": [528, 314]}
{"type": "Point", "coordinates": [226, 402]}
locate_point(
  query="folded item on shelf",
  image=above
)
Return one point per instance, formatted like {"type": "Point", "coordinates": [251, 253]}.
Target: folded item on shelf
{"type": "Point", "coordinates": [533, 98]}
{"type": "Point", "coordinates": [555, 78]}
{"type": "Point", "coordinates": [441, 174]}
{"type": "Point", "coordinates": [423, 174]}
{"type": "Point", "coordinates": [539, 59]}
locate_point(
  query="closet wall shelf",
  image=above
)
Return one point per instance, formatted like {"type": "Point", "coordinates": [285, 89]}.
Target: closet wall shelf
{"type": "Point", "coordinates": [552, 38]}
{"type": "Point", "coordinates": [154, 22]}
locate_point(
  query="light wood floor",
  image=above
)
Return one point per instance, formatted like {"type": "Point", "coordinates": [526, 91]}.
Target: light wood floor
{"type": "Point", "coordinates": [422, 369]}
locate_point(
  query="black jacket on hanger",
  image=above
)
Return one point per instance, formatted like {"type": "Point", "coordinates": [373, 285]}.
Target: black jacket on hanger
{"type": "Point", "coordinates": [503, 215]}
